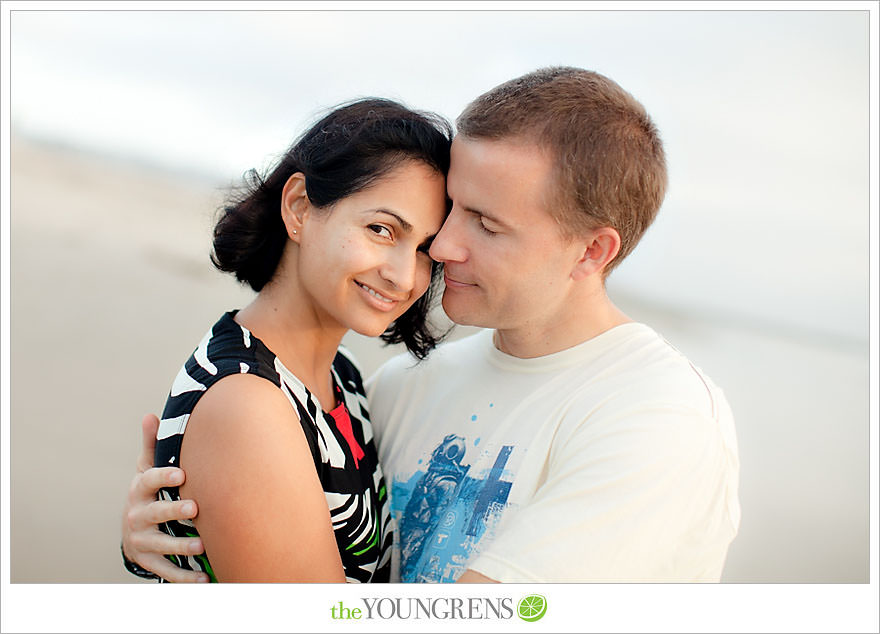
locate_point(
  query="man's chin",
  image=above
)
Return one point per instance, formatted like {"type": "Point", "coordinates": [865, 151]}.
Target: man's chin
{"type": "Point", "coordinates": [461, 314]}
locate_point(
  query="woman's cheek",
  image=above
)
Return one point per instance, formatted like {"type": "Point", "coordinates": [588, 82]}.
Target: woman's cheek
{"type": "Point", "coordinates": [424, 276]}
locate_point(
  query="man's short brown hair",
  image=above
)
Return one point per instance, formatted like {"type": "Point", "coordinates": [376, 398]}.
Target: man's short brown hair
{"type": "Point", "coordinates": [609, 160]}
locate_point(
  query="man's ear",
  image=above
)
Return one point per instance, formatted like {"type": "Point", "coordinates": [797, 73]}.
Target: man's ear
{"type": "Point", "coordinates": [598, 249]}
{"type": "Point", "coordinates": [294, 205]}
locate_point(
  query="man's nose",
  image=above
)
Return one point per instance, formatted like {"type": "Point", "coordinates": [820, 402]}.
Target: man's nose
{"type": "Point", "coordinates": [448, 244]}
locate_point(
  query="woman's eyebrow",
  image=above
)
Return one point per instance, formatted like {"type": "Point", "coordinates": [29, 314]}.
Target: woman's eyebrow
{"type": "Point", "coordinates": [407, 227]}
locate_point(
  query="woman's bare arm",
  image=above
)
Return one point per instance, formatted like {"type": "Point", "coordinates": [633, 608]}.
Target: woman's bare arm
{"type": "Point", "coordinates": [262, 513]}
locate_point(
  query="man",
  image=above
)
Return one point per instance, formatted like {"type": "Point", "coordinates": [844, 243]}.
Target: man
{"type": "Point", "coordinates": [565, 442]}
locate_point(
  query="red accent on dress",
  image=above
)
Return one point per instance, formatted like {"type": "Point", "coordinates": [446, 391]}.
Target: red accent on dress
{"type": "Point", "coordinates": [343, 424]}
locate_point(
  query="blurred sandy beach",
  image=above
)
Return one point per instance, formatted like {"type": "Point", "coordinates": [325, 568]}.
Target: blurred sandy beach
{"type": "Point", "coordinates": [111, 288]}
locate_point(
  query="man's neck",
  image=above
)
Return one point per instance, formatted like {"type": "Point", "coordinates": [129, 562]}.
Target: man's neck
{"type": "Point", "coordinates": [564, 332]}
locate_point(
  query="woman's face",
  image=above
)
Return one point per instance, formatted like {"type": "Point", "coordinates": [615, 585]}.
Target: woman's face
{"type": "Point", "coordinates": [364, 261]}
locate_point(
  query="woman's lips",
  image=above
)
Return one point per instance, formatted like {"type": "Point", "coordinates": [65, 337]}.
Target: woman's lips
{"type": "Point", "coordinates": [377, 299]}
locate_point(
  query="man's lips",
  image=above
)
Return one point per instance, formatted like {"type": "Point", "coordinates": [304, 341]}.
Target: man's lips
{"type": "Point", "coordinates": [451, 282]}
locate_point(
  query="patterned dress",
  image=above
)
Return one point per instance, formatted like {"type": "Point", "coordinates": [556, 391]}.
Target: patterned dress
{"type": "Point", "coordinates": [341, 443]}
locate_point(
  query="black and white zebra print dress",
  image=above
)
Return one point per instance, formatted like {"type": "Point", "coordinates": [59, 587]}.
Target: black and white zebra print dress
{"type": "Point", "coordinates": [341, 443]}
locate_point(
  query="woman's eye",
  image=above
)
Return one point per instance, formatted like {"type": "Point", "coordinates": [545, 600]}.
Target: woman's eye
{"type": "Point", "coordinates": [380, 230]}
{"type": "Point", "coordinates": [486, 229]}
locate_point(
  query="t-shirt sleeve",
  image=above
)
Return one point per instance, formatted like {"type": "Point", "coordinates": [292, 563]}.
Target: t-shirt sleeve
{"type": "Point", "coordinates": [638, 496]}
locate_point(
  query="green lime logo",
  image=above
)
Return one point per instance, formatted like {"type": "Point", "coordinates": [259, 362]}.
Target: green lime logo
{"type": "Point", "coordinates": [532, 607]}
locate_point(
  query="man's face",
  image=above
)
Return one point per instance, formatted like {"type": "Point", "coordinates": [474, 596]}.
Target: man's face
{"type": "Point", "coordinates": [507, 266]}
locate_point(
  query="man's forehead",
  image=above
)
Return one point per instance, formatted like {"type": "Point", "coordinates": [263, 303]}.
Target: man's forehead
{"type": "Point", "coordinates": [519, 141]}
{"type": "Point", "coordinates": [517, 159]}
{"type": "Point", "coordinates": [506, 180]}
{"type": "Point", "coordinates": [518, 155]}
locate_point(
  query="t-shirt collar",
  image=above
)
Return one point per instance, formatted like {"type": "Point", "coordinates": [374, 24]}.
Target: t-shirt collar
{"type": "Point", "coordinates": [564, 358]}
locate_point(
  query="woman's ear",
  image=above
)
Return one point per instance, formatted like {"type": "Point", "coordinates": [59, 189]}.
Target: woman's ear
{"type": "Point", "coordinates": [294, 204]}
{"type": "Point", "coordinates": [598, 249]}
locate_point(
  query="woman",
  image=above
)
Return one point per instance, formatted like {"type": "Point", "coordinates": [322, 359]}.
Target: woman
{"type": "Point", "coordinates": [268, 416]}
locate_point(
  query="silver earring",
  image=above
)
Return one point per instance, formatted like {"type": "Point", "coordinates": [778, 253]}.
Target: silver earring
{"type": "Point", "coordinates": [294, 232]}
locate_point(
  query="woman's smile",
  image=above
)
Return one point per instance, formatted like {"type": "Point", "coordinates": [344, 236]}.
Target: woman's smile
{"type": "Point", "coordinates": [375, 298]}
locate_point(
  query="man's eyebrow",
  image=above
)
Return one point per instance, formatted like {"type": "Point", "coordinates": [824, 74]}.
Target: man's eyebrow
{"type": "Point", "coordinates": [407, 227]}
{"type": "Point", "coordinates": [482, 213]}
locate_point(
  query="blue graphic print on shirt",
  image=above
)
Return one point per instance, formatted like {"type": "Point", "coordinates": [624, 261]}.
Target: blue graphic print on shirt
{"type": "Point", "coordinates": [444, 512]}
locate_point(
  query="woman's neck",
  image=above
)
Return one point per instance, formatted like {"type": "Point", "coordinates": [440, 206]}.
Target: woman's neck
{"type": "Point", "coordinates": [295, 333]}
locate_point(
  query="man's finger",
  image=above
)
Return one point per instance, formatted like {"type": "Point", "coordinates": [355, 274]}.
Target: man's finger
{"type": "Point", "coordinates": [163, 511]}
{"type": "Point", "coordinates": [148, 543]}
{"type": "Point", "coordinates": [170, 572]}
{"type": "Point", "coordinates": [146, 485]}
{"type": "Point", "coordinates": [149, 428]}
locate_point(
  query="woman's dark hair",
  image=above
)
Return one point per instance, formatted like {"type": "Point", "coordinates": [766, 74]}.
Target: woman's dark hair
{"type": "Point", "coordinates": [344, 153]}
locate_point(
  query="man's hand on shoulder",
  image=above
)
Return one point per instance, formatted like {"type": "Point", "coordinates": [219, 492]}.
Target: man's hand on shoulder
{"type": "Point", "coordinates": [142, 541]}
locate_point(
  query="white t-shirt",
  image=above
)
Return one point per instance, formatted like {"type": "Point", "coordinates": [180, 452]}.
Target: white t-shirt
{"type": "Point", "coordinates": [614, 460]}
